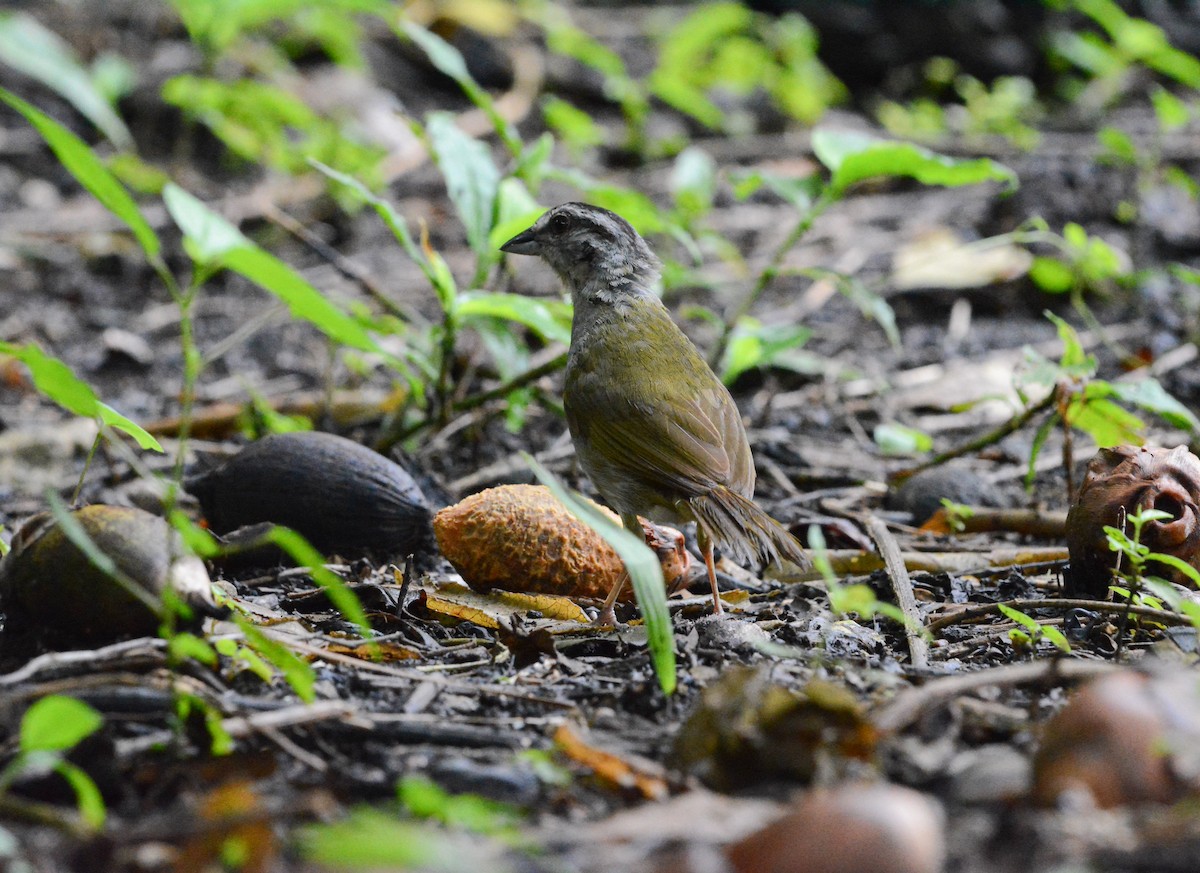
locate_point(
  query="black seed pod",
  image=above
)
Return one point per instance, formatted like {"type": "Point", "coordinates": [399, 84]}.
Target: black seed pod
{"type": "Point", "coordinates": [47, 584]}
{"type": "Point", "coordinates": [343, 497]}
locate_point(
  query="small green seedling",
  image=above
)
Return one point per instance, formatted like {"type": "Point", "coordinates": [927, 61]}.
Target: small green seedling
{"type": "Point", "coordinates": [1031, 631]}
{"type": "Point", "coordinates": [50, 728]}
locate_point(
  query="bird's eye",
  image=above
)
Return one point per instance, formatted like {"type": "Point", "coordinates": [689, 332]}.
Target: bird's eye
{"type": "Point", "coordinates": [559, 223]}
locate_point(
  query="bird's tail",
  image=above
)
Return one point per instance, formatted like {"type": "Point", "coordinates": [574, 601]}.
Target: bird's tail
{"type": "Point", "coordinates": [738, 525]}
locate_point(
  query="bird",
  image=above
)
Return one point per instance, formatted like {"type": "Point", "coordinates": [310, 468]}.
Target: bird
{"type": "Point", "coordinates": [653, 427]}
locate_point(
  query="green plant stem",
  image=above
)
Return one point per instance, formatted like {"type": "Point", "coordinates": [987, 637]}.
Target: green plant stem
{"type": "Point", "coordinates": [518, 381]}
{"type": "Point", "coordinates": [474, 401]}
{"type": "Point", "coordinates": [87, 465]}
{"type": "Point", "coordinates": [44, 814]}
{"type": "Point", "coordinates": [448, 345]}
{"type": "Point", "coordinates": [192, 363]}
{"type": "Point", "coordinates": [769, 272]}
{"type": "Point", "coordinates": [1013, 425]}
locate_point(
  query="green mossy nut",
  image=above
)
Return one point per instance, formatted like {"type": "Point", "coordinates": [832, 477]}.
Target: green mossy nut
{"type": "Point", "coordinates": [48, 584]}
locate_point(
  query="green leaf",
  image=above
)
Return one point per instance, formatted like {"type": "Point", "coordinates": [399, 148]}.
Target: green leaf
{"type": "Point", "coordinates": [207, 235]}
{"type": "Point", "coordinates": [1020, 617]}
{"type": "Point", "coordinates": [643, 567]}
{"type": "Point", "coordinates": [299, 674]}
{"type": "Point", "coordinates": [1106, 422]}
{"type": "Point", "coordinates": [799, 192]}
{"type": "Point", "coordinates": [1073, 357]}
{"type": "Point", "coordinates": [1177, 564]}
{"type": "Point", "coordinates": [574, 126]}
{"type": "Point", "coordinates": [1150, 395]}
{"type": "Point", "coordinates": [1186, 274]}
{"type": "Point", "coordinates": [577, 44]}
{"type": "Point", "coordinates": [896, 439]}
{"type": "Point", "coordinates": [1171, 111]}
{"type": "Point", "coordinates": [1052, 275]}
{"type": "Point", "coordinates": [471, 176]}
{"type": "Point", "coordinates": [1119, 144]}
{"type": "Point", "coordinates": [56, 381]}
{"type": "Point", "coordinates": [704, 27]}
{"type": "Point", "coordinates": [184, 645]}
{"type": "Point", "coordinates": [197, 539]}
{"type": "Point", "coordinates": [753, 344]}
{"type": "Point", "coordinates": [57, 723]}
{"type": "Point", "coordinates": [212, 240]}
{"type": "Point", "coordinates": [449, 61]}
{"type": "Point", "coordinates": [426, 799]}
{"type": "Point", "coordinates": [852, 157]}
{"type": "Point", "coordinates": [550, 320]}
{"type": "Point", "coordinates": [87, 794]}
{"type": "Point", "coordinates": [871, 304]}
{"type": "Point", "coordinates": [27, 46]}
{"type": "Point", "coordinates": [687, 98]}
{"type": "Point", "coordinates": [302, 299]}
{"type": "Point", "coordinates": [79, 160]}
{"type": "Point", "coordinates": [370, 839]}
{"type": "Point", "coordinates": [1056, 636]}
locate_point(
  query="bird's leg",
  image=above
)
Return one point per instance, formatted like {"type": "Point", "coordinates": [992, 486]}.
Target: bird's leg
{"type": "Point", "coordinates": [607, 614]}
{"type": "Point", "coordinates": [706, 547]}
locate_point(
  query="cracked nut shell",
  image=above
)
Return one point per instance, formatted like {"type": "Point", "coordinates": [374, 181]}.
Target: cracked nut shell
{"type": "Point", "coordinates": [1121, 481]}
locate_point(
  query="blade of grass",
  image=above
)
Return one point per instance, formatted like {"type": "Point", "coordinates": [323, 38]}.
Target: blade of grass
{"type": "Point", "coordinates": [643, 567]}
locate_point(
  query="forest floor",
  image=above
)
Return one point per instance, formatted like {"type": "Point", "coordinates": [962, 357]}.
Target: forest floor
{"type": "Point", "coordinates": [564, 723]}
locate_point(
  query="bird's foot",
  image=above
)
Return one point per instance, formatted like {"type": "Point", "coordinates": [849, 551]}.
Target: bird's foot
{"type": "Point", "coordinates": [607, 617]}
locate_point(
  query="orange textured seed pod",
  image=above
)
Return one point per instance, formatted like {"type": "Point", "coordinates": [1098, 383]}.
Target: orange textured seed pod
{"type": "Point", "coordinates": [520, 538]}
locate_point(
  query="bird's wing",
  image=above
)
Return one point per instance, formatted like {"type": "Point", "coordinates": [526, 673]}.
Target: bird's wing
{"type": "Point", "coordinates": [671, 444]}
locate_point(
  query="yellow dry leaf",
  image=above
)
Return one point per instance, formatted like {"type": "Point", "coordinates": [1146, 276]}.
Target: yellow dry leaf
{"type": "Point", "coordinates": [387, 651]}
{"type": "Point", "coordinates": [498, 607]}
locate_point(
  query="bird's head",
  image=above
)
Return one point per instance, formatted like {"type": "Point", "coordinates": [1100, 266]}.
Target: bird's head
{"type": "Point", "coordinates": [595, 252]}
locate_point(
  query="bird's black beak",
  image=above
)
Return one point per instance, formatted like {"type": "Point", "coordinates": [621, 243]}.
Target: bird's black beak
{"type": "Point", "coordinates": [524, 243]}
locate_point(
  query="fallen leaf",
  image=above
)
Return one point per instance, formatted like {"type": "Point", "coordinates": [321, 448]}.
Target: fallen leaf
{"type": "Point", "coordinates": [609, 767]}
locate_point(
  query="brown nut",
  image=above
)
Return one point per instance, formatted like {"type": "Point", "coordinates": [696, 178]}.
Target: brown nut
{"type": "Point", "coordinates": [1123, 738]}
{"type": "Point", "coordinates": [343, 497]}
{"type": "Point", "coordinates": [47, 583]}
{"type": "Point", "coordinates": [849, 829]}
{"type": "Point", "coordinates": [520, 538]}
{"type": "Point", "coordinates": [1120, 482]}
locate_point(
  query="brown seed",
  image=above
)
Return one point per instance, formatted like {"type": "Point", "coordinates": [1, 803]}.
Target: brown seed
{"type": "Point", "coordinates": [850, 829]}
{"type": "Point", "coordinates": [520, 538]}
{"type": "Point", "coordinates": [343, 497]}
{"type": "Point", "coordinates": [1122, 738]}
